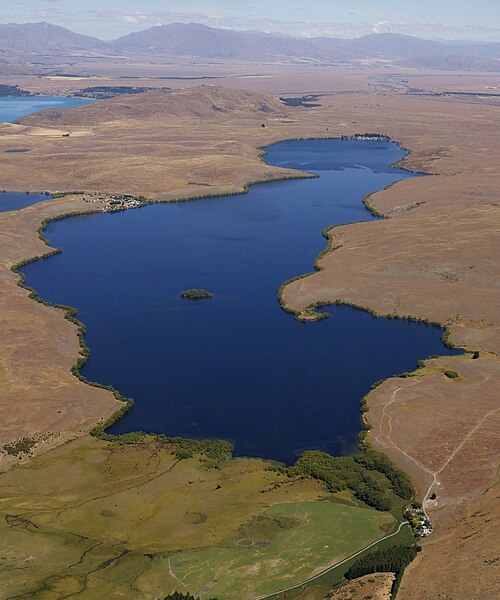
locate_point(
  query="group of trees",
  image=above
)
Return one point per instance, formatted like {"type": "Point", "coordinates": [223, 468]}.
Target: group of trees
{"type": "Point", "coordinates": [22, 445]}
{"type": "Point", "coordinates": [376, 461]}
{"type": "Point", "coordinates": [214, 452]}
{"type": "Point", "coordinates": [353, 473]}
{"type": "Point", "coordinates": [390, 560]}
{"type": "Point", "coordinates": [340, 473]}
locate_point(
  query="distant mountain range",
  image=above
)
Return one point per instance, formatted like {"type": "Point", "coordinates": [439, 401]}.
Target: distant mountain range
{"type": "Point", "coordinates": [46, 39]}
{"type": "Point", "coordinates": [38, 40]}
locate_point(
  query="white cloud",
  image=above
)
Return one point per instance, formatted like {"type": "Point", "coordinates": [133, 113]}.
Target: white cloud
{"type": "Point", "coordinates": [130, 19]}
{"type": "Point", "coordinates": [133, 19]}
{"type": "Point", "coordinates": [381, 27]}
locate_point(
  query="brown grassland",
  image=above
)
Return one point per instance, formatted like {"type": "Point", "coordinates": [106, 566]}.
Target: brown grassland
{"type": "Point", "coordinates": [373, 587]}
{"type": "Point", "coordinates": [434, 258]}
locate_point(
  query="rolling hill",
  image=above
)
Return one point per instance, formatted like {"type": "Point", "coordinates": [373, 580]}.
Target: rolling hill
{"type": "Point", "coordinates": [203, 102]}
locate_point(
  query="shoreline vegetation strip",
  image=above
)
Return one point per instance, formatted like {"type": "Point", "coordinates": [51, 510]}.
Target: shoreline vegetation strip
{"type": "Point", "coordinates": [215, 450]}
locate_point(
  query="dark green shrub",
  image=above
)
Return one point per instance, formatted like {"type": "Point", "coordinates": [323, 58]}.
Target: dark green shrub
{"type": "Point", "coordinates": [183, 454]}
{"type": "Point", "coordinates": [22, 445]}
{"type": "Point", "coordinates": [179, 596]}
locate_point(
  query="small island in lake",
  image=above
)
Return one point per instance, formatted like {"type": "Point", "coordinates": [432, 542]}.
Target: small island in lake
{"type": "Point", "coordinates": [196, 294]}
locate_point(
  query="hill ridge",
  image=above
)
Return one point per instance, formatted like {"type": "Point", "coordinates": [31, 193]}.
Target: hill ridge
{"type": "Point", "coordinates": [201, 102]}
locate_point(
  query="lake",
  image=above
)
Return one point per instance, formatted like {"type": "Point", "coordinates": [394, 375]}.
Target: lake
{"type": "Point", "coordinates": [236, 366]}
{"type": "Point", "coordinates": [15, 107]}
{"type": "Point", "coordinates": [15, 200]}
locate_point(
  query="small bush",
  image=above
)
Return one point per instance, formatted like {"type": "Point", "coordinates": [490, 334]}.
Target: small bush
{"type": "Point", "coordinates": [183, 454]}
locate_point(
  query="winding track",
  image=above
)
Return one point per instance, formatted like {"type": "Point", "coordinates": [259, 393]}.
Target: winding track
{"type": "Point", "coordinates": [387, 435]}
{"type": "Point", "coordinates": [457, 449]}
{"type": "Point", "coordinates": [434, 474]}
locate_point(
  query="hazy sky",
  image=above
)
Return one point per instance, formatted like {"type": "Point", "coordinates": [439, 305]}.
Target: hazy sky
{"type": "Point", "coordinates": [445, 19]}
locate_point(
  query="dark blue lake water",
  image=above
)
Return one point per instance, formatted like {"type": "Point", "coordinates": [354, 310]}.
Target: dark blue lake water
{"type": "Point", "coordinates": [13, 108]}
{"type": "Point", "coordinates": [14, 200]}
{"type": "Point", "coordinates": [237, 366]}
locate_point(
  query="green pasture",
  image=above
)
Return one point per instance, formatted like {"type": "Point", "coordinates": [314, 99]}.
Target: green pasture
{"type": "Point", "coordinates": [292, 543]}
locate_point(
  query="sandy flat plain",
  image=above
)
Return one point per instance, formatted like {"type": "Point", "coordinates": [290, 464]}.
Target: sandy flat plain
{"type": "Point", "coordinates": [434, 258]}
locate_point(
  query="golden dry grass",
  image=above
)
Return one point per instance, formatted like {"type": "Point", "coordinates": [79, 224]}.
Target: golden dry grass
{"type": "Point", "coordinates": [40, 398]}
{"type": "Point", "coordinates": [375, 587]}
